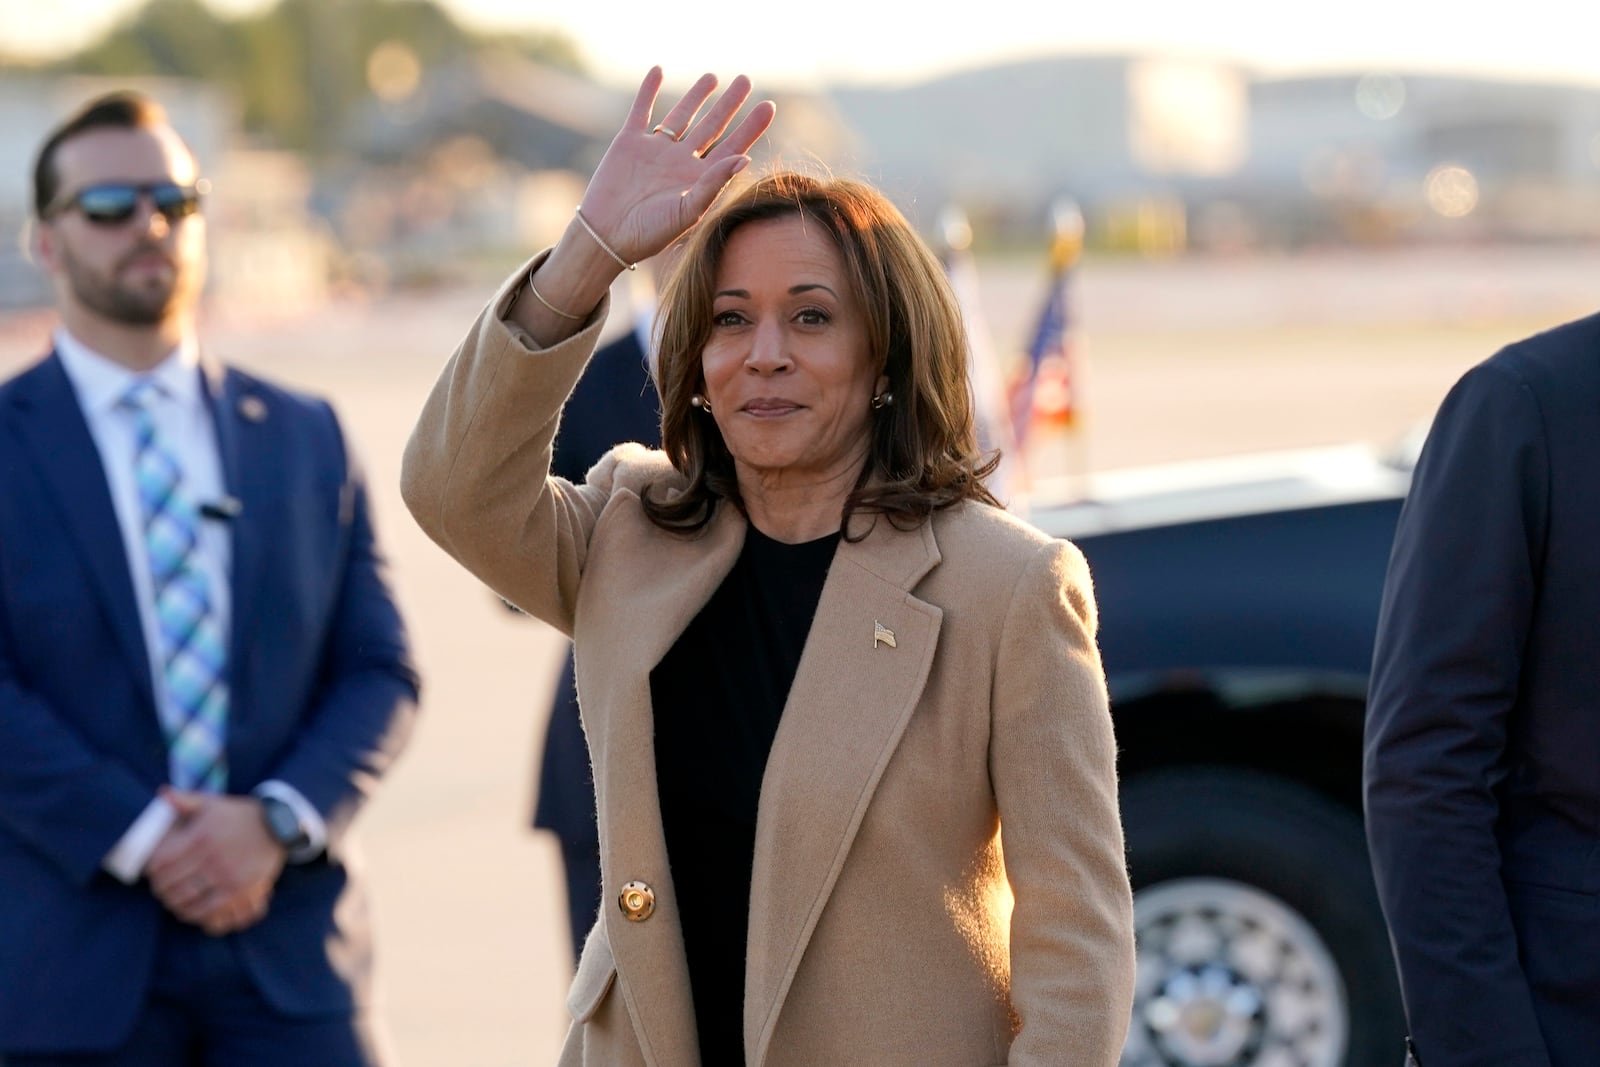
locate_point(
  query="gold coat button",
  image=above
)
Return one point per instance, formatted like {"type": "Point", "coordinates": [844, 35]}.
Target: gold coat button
{"type": "Point", "coordinates": [637, 901]}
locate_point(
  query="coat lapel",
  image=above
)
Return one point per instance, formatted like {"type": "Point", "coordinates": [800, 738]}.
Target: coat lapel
{"type": "Point", "coordinates": [659, 603]}
{"type": "Point", "coordinates": [53, 429]}
{"type": "Point", "coordinates": [865, 664]}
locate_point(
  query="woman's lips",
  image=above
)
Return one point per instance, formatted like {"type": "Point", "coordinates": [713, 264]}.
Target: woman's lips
{"type": "Point", "coordinates": [767, 407]}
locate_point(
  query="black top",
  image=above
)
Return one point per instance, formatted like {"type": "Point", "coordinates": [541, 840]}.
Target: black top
{"type": "Point", "coordinates": [718, 696]}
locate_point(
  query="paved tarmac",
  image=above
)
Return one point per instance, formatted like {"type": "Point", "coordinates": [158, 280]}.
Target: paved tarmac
{"type": "Point", "coordinates": [1189, 359]}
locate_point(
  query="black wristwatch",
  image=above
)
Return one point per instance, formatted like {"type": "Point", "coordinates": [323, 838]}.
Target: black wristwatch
{"type": "Point", "coordinates": [283, 824]}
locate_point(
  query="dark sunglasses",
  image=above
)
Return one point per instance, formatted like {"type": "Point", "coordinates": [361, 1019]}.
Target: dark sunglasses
{"type": "Point", "coordinates": [113, 203]}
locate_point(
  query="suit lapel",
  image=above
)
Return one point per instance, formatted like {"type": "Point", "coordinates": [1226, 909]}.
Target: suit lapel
{"type": "Point", "coordinates": [851, 700]}
{"type": "Point", "coordinates": [53, 429]}
{"type": "Point", "coordinates": [239, 416]}
{"type": "Point", "coordinates": [657, 604]}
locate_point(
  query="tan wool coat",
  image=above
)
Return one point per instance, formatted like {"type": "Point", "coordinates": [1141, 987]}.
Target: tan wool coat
{"type": "Point", "coordinates": [882, 927]}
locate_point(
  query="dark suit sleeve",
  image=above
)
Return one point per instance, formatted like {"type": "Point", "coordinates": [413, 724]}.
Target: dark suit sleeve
{"type": "Point", "coordinates": [367, 691]}
{"type": "Point", "coordinates": [58, 793]}
{"type": "Point", "coordinates": [1457, 606]}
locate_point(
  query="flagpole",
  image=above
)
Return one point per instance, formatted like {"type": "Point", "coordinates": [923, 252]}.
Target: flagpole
{"type": "Point", "coordinates": [985, 374]}
{"type": "Point", "coordinates": [1067, 219]}
{"type": "Point", "coordinates": [1050, 412]}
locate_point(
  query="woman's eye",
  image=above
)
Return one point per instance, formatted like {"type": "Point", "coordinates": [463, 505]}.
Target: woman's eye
{"type": "Point", "coordinates": [812, 317]}
{"type": "Point", "coordinates": [727, 318]}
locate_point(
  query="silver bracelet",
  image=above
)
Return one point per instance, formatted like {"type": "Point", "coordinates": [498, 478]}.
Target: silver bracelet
{"type": "Point", "coordinates": [612, 252]}
{"type": "Point", "coordinates": [540, 297]}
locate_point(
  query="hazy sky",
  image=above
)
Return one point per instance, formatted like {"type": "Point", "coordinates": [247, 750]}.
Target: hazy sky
{"type": "Point", "coordinates": [787, 42]}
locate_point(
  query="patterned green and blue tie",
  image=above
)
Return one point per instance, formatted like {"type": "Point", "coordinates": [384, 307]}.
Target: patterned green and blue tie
{"type": "Point", "coordinates": [195, 713]}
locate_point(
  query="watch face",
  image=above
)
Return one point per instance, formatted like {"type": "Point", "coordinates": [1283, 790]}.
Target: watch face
{"type": "Point", "coordinates": [282, 823]}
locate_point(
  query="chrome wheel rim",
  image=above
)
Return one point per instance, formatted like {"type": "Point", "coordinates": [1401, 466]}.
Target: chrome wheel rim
{"type": "Point", "coordinates": [1231, 976]}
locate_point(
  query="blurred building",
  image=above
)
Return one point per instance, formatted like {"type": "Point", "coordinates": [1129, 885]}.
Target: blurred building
{"type": "Point", "coordinates": [267, 249]}
{"type": "Point", "coordinates": [455, 170]}
{"type": "Point", "coordinates": [466, 166]}
{"type": "Point", "coordinates": [1382, 156]}
{"type": "Point", "coordinates": [1117, 133]}
{"type": "Point", "coordinates": [460, 166]}
{"type": "Point", "coordinates": [526, 113]}
{"type": "Point", "coordinates": [1167, 154]}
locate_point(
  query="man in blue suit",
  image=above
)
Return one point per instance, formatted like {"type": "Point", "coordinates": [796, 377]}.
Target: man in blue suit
{"type": "Point", "coordinates": [202, 671]}
{"type": "Point", "coordinates": [1483, 731]}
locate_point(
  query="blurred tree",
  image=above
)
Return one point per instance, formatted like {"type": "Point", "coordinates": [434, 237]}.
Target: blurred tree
{"type": "Point", "coordinates": [171, 37]}
{"type": "Point", "coordinates": [297, 67]}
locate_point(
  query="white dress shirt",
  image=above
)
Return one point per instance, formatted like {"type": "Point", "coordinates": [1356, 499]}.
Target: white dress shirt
{"type": "Point", "coordinates": [181, 410]}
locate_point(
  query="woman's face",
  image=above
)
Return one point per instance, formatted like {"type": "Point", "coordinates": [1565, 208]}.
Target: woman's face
{"type": "Point", "coordinates": [788, 373]}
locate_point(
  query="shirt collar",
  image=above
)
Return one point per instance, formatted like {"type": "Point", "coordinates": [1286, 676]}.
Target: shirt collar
{"type": "Point", "coordinates": [101, 382]}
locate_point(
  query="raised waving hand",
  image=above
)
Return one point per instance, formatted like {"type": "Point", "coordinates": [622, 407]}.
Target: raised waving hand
{"type": "Point", "coordinates": [656, 180]}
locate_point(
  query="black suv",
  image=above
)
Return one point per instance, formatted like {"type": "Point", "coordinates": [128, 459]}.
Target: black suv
{"type": "Point", "coordinates": [1238, 603]}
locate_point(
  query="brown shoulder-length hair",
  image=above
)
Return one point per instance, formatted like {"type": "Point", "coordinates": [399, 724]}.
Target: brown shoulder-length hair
{"type": "Point", "coordinates": [924, 448]}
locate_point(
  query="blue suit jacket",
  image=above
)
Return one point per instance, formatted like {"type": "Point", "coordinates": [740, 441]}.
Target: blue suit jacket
{"type": "Point", "coordinates": [1483, 732]}
{"type": "Point", "coordinates": [322, 696]}
{"type": "Point", "coordinates": [615, 401]}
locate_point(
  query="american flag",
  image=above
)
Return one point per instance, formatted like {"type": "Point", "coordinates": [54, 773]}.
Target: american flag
{"type": "Point", "coordinates": [1048, 396]}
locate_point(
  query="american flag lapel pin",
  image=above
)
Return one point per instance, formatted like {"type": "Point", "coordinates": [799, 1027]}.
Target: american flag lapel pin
{"type": "Point", "coordinates": [881, 633]}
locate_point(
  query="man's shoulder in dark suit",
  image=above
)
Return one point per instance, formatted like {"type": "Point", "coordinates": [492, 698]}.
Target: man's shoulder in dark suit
{"type": "Point", "coordinates": [1562, 357]}
{"type": "Point", "coordinates": [614, 401]}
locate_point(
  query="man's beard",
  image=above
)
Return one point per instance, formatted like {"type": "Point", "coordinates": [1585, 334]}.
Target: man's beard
{"type": "Point", "coordinates": [148, 304]}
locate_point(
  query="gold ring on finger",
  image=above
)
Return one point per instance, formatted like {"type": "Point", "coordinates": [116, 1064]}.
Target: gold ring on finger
{"type": "Point", "coordinates": [662, 127]}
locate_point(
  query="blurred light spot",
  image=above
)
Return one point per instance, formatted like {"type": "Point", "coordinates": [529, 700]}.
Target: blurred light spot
{"type": "Point", "coordinates": [1451, 190]}
{"type": "Point", "coordinates": [1380, 96]}
{"type": "Point", "coordinates": [393, 72]}
{"type": "Point", "coordinates": [465, 161]}
{"type": "Point", "coordinates": [1187, 117]}
{"type": "Point", "coordinates": [954, 228]}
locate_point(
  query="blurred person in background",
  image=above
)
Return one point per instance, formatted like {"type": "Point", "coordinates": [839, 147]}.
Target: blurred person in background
{"type": "Point", "coordinates": [202, 670]}
{"type": "Point", "coordinates": [1483, 731]}
{"type": "Point", "coordinates": [820, 671]}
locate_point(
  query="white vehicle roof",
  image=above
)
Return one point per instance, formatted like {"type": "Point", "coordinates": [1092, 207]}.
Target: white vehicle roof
{"type": "Point", "coordinates": [1201, 490]}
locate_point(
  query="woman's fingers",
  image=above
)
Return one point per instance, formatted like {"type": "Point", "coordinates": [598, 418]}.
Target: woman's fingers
{"type": "Point", "coordinates": [677, 121]}
{"type": "Point", "coordinates": [644, 101]}
{"type": "Point", "coordinates": [704, 192]}
{"type": "Point", "coordinates": [707, 130]}
{"type": "Point", "coordinates": [650, 187]}
{"type": "Point", "coordinates": [725, 158]}
{"type": "Point", "coordinates": [747, 133]}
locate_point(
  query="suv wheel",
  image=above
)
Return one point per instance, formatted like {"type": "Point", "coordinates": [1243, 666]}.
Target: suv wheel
{"type": "Point", "coordinates": [1261, 943]}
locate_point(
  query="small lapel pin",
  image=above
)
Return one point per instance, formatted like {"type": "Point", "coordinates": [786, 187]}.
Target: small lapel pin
{"type": "Point", "coordinates": [880, 632]}
{"type": "Point", "coordinates": [253, 408]}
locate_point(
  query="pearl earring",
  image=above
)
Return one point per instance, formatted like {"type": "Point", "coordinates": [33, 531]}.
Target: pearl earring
{"type": "Point", "coordinates": [700, 402]}
{"type": "Point", "coordinates": [882, 400]}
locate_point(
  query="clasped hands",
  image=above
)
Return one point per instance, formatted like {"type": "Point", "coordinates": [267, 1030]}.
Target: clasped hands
{"type": "Point", "coordinates": [217, 865]}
